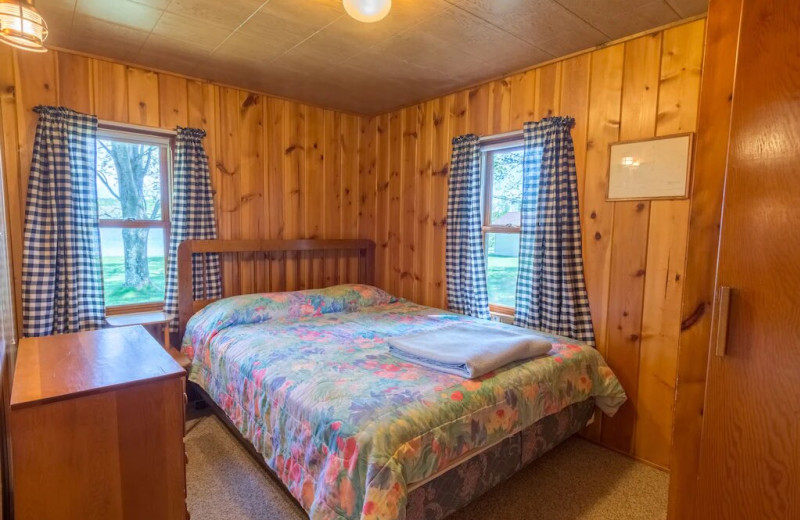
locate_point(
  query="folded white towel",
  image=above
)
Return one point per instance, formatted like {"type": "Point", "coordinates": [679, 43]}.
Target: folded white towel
{"type": "Point", "coordinates": [470, 348]}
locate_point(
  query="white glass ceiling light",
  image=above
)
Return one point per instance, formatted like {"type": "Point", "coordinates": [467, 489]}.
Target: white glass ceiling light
{"type": "Point", "coordinates": [368, 10]}
{"type": "Point", "coordinates": [21, 26]}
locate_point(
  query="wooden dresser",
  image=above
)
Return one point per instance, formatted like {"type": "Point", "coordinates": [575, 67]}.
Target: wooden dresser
{"type": "Point", "coordinates": [96, 426]}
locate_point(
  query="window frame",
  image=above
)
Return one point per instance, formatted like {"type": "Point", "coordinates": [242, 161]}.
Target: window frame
{"type": "Point", "coordinates": [489, 146]}
{"type": "Point", "coordinates": [165, 140]}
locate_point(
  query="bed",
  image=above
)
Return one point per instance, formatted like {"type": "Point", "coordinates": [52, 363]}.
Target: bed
{"type": "Point", "coordinates": [306, 380]}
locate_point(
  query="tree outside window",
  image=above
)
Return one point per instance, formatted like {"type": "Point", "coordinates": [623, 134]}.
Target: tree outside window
{"type": "Point", "coordinates": [132, 175]}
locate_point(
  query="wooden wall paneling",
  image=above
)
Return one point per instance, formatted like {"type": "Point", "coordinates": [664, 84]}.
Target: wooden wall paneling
{"type": "Point", "coordinates": [423, 204]}
{"type": "Point", "coordinates": [523, 99]}
{"type": "Point", "coordinates": [315, 180]}
{"type": "Point", "coordinates": [367, 176]}
{"type": "Point", "coordinates": [75, 85]}
{"type": "Point", "coordinates": [111, 91]}
{"type": "Point", "coordinates": [294, 187]}
{"type": "Point", "coordinates": [395, 208]}
{"type": "Point", "coordinates": [408, 277]}
{"type": "Point", "coordinates": [36, 78]}
{"type": "Point", "coordinates": [440, 168]}
{"type": "Point", "coordinates": [501, 106]}
{"type": "Point", "coordinates": [479, 110]}
{"type": "Point", "coordinates": [548, 91]}
{"type": "Point", "coordinates": [629, 247]}
{"type": "Point", "coordinates": [382, 202]}
{"type": "Point", "coordinates": [333, 192]}
{"type": "Point", "coordinates": [679, 87]}
{"type": "Point", "coordinates": [230, 173]}
{"type": "Point", "coordinates": [273, 116]}
{"type": "Point", "coordinates": [348, 271]}
{"type": "Point", "coordinates": [252, 270]}
{"type": "Point", "coordinates": [575, 74]}
{"type": "Point", "coordinates": [15, 197]}
{"type": "Point", "coordinates": [173, 101]}
{"type": "Point", "coordinates": [714, 119]}
{"type": "Point", "coordinates": [143, 102]}
{"type": "Point", "coordinates": [605, 100]}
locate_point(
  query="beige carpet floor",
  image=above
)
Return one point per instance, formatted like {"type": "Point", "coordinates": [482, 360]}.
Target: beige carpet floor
{"type": "Point", "coordinates": [577, 480]}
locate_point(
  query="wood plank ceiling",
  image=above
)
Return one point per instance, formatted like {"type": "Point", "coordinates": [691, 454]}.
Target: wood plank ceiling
{"type": "Point", "coordinates": [310, 50]}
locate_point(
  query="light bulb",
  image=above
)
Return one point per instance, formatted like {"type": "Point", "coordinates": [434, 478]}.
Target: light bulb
{"type": "Point", "coordinates": [368, 11]}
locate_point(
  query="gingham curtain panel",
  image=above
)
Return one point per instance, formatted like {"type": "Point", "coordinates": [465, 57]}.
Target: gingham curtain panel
{"type": "Point", "coordinates": [62, 279]}
{"type": "Point", "coordinates": [192, 219]}
{"type": "Point", "coordinates": [551, 291]}
{"type": "Point", "coordinates": [464, 257]}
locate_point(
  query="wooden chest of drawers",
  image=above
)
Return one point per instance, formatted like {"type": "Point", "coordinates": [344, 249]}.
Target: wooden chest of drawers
{"type": "Point", "coordinates": [96, 425]}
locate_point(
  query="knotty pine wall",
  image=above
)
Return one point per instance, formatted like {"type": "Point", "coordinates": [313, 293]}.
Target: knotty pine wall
{"type": "Point", "coordinates": [285, 170]}
{"type": "Point", "coordinates": [280, 169]}
{"type": "Point", "coordinates": [634, 251]}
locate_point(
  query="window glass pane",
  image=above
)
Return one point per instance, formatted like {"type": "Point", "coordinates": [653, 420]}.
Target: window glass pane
{"type": "Point", "coordinates": [502, 264]}
{"type": "Point", "coordinates": [506, 187]}
{"type": "Point", "coordinates": [128, 180]}
{"type": "Point", "coordinates": [133, 265]}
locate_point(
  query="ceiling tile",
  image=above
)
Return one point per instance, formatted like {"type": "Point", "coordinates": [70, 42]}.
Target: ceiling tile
{"type": "Point", "coordinates": [121, 12]}
{"type": "Point", "coordinates": [687, 8]}
{"type": "Point", "coordinates": [618, 18]}
{"type": "Point", "coordinates": [312, 51]}
{"type": "Point", "coordinates": [534, 21]}
{"type": "Point", "coordinates": [95, 36]}
{"type": "Point", "coordinates": [225, 13]}
{"type": "Point", "coordinates": [196, 33]}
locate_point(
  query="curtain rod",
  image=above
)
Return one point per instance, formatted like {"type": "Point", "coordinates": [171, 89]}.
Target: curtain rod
{"type": "Point", "coordinates": [113, 125]}
{"type": "Point", "coordinates": [508, 136]}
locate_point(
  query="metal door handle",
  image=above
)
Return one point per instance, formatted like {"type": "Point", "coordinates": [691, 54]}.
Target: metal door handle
{"type": "Point", "coordinates": [723, 312]}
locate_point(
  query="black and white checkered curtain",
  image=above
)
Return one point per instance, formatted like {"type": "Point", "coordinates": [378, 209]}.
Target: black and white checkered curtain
{"type": "Point", "coordinates": [465, 261]}
{"type": "Point", "coordinates": [62, 279]}
{"type": "Point", "coordinates": [551, 292]}
{"type": "Point", "coordinates": [192, 219]}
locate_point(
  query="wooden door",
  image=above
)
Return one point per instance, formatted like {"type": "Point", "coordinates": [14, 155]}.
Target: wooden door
{"type": "Point", "coordinates": [750, 455]}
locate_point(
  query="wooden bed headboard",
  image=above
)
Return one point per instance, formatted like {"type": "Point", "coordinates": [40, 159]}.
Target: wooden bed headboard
{"type": "Point", "coordinates": [254, 266]}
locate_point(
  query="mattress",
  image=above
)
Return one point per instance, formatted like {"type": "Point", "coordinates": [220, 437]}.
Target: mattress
{"type": "Point", "coordinates": [306, 377]}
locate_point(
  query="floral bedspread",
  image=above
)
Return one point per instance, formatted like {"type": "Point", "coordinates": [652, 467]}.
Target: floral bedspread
{"type": "Point", "coordinates": [307, 378]}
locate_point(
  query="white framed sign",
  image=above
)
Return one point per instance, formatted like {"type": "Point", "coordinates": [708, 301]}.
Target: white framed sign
{"type": "Point", "coordinates": [645, 169]}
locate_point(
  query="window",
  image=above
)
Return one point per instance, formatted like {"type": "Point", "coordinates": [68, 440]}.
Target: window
{"type": "Point", "coordinates": [502, 178]}
{"type": "Point", "coordinates": [133, 203]}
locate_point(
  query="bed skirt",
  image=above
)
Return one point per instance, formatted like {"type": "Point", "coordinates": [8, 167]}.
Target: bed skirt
{"type": "Point", "coordinates": [472, 478]}
{"type": "Point", "coordinates": [457, 487]}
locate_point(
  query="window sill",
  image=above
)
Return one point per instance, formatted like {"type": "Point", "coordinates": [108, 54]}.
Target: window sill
{"type": "Point", "coordinates": [134, 308]}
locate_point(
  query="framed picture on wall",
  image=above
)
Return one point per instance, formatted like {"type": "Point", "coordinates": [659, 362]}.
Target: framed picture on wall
{"type": "Point", "coordinates": [645, 169]}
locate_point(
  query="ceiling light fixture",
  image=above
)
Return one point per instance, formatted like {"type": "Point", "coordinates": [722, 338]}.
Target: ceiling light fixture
{"type": "Point", "coordinates": [368, 11]}
{"type": "Point", "coordinates": [22, 26]}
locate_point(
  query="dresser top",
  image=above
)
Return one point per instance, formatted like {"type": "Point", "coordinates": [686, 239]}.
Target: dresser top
{"type": "Point", "coordinates": [53, 368]}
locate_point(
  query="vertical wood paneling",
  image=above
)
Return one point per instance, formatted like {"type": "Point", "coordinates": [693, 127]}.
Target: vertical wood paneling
{"type": "Point", "coordinates": [251, 215]}
{"type": "Point", "coordinates": [523, 98]}
{"type": "Point", "coordinates": [575, 76]}
{"type": "Point", "coordinates": [679, 88]}
{"type": "Point", "coordinates": [273, 116]}
{"type": "Point", "coordinates": [172, 101]}
{"type": "Point", "coordinates": [424, 173]}
{"type": "Point", "coordinates": [315, 180]}
{"type": "Point", "coordinates": [143, 101]}
{"type": "Point", "coordinates": [333, 190]}
{"type": "Point", "coordinates": [548, 91]}
{"type": "Point", "coordinates": [111, 88]}
{"type": "Point", "coordinates": [348, 271]}
{"type": "Point", "coordinates": [75, 85]}
{"type": "Point", "coordinates": [395, 199]}
{"type": "Point", "coordinates": [294, 187]}
{"type": "Point", "coordinates": [408, 230]}
{"type": "Point", "coordinates": [367, 176]}
{"type": "Point", "coordinates": [229, 181]}
{"type": "Point", "coordinates": [629, 246]}
{"type": "Point", "coordinates": [382, 203]}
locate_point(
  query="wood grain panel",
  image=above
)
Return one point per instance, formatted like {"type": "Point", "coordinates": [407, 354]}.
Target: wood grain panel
{"type": "Point", "coordinates": [629, 247]}
{"type": "Point", "coordinates": [143, 100]}
{"type": "Point", "coordinates": [75, 86]}
{"type": "Point", "coordinates": [679, 87]}
{"type": "Point", "coordinates": [172, 101]}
